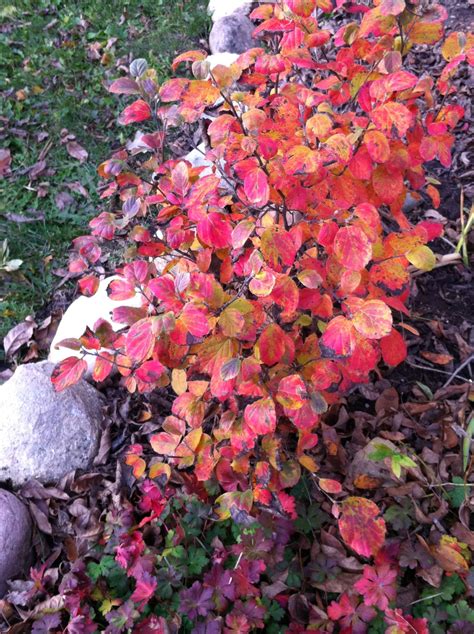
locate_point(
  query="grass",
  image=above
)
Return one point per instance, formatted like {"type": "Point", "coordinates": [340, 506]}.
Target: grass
{"type": "Point", "coordinates": [54, 57]}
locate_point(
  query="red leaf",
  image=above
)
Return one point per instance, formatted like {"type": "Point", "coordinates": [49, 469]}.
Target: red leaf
{"type": "Point", "coordinates": [256, 187]}
{"type": "Point", "coordinates": [392, 7]}
{"type": "Point", "coordinates": [394, 348]}
{"type": "Point", "coordinates": [260, 417]}
{"type": "Point", "coordinates": [150, 371]}
{"type": "Point", "coordinates": [377, 585]}
{"type": "Point", "coordinates": [134, 113]}
{"type": "Point", "coordinates": [272, 344]}
{"type": "Point", "coordinates": [68, 372]}
{"type": "Point", "coordinates": [140, 340]}
{"type": "Point", "coordinates": [352, 248]}
{"type": "Point", "coordinates": [88, 285]}
{"type": "Point", "coordinates": [387, 185]}
{"type": "Point", "coordinates": [303, 8]}
{"type": "Point", "coordinates": [215, 230]}
{"type": "Point", "coordinates": [103, 366]}
{"type": "Point", "coordinates": [145, 588]}
{"type": "Point", "coordinates": [292, 392]}
{"type": "Point", "coordinates": [360, 526]}
{"type": "Point", "coordinates": [195, 320]}
{"type": "Point", "coordinates": [339, 338]}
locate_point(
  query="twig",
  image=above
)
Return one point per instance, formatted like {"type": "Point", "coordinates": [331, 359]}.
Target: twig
{"type": "Point", "coordinates": [426, 367]}
{"type": "Point", "coordinates": [431, 596]}
{"type": "Point", "coordinates": [458, 370]}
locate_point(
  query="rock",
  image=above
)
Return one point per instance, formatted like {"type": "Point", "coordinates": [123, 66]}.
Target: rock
{"type": "Point", "coordinates": [45, 434]}
{"type": "Point", "coordinates": [85, 312]}
{"type": "Point", "coordinates": [15, 538]}
{"type": "Point", "coordinates": [411, 203]}
{"type": "Point", "coordinates": [221, 59]}
{"type": "Point", "coordinates": [197, 158]}
{"type": "Point", "coordinates": [232, 34]}
{"type": "Point", "coordinates": [221, 8]}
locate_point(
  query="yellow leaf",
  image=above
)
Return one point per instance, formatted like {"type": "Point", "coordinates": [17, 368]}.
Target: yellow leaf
{"type": "Point", "coordinates": [422, 257]}
{"type": "Point", "coordinates": [308, 463]}
{"type": "Point", "coordinates": [179, 381]}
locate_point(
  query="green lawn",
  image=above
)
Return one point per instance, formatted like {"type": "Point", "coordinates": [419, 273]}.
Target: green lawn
{"type": "Point", "coordinates": [54, 56]}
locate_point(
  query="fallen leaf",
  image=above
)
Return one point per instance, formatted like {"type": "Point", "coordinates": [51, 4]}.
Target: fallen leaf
{"type": "Point", "coordinates": [439, 359]}
{"type": "Point", "coordinates": [18, 336]}
{"type": "Point", "coordinates": [5, 162]}
{"type": "Point", "coordinates": [63, 200]}
{"type": "Point", "coordinates": [79, 188]}
{"type": "Point", "coordinates": [36, 170]}
{"type": "Point", "coordinates": [77, 151]}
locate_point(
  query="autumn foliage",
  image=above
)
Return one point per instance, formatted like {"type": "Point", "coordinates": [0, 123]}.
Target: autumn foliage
{"type": "Point", "coordinates": [276, 280]}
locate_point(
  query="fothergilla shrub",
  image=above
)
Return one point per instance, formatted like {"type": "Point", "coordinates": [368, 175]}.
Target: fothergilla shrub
{"type": "Point", "coordinates": [274, 279]}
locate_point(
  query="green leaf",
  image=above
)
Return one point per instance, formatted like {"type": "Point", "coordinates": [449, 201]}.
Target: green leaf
{"type": "Point", "coordinates": [460, 611]}
{"type": "Point", "coordinates": [457, 494]}
{"type": "Point", "coordinates": [274, 612]}
{"type": "Point", "coordinates": [381, 452]}
{"type": "Point", "coordinates": [396, 466]}
{"type": "Point", "coordinates": [399, 517]}
{"type": "Point", "coordinates": [197, 560]}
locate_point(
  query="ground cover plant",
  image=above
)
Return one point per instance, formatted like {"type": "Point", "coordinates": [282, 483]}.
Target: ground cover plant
{"type": "Point", "coordinates": [273, 285]}
{"type": "Point", "coordinates": [54, 58]}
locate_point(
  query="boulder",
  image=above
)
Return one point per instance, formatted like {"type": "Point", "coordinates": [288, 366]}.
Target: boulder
{"type": "Point", "coordinates": [15, 538]}
{"type": "Point", "coordinates": [221, 59]}
{"type": "Point", "coordinates": [232, 34]}
{"type": "Point", "coordinates": [85, 312]}
{"type": "Point", "coordinates": [220, 8]}
{"type": "Point", "coordinates": [45, 434]}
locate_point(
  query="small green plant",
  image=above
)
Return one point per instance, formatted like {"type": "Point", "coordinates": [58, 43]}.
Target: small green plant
{"type": "Point", "coordinates": [397, 460]}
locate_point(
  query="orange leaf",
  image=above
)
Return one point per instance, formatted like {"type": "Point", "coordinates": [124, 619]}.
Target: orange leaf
{"type": "Point", "coordinates": [330, 486]}
{"type": "Point", "coordinates": [377, 146]}
{"type": "Point", "coordinates": [439, 359]}
{"type": "Point", "coordinates": [318, 126]}
{"type": "Point", "coordinates": [373, 319]}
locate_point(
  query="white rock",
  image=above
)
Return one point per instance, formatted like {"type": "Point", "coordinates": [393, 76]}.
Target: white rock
{"type": "Point", "coordinates": [197, 158]}
{"type": "Point", "coordinates": [85, 312]}
{"type": "Point", "coordinates": [232, 34]}
{"type": "Point", "coordinates": [221, 59]}
{"type": "Point", "coordinates": [220, 8]}
{"type": "Point", "coordinates": [45, 434]}
{"type": "Point", "coordinates": [15, 538]}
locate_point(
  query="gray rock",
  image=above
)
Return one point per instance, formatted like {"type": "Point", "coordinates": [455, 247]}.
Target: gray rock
{"type": "Point", "coordinates": [45, 434]}
{"type": "Point", "coordinates": [15, 538]}
{"type": "Point", "coordinates": [232, 34]}
{"type": "Point", "coordinates": [220, 8]}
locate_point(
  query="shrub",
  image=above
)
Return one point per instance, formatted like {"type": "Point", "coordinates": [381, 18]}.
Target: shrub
{"type": "Point", "coordinates": [274, 282]}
